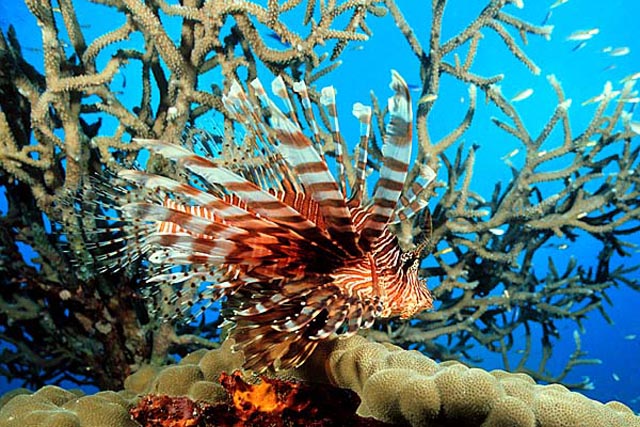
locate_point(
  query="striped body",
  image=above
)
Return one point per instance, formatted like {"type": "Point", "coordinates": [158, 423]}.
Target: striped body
{"type": "Point", "coordinates": [274, 232]}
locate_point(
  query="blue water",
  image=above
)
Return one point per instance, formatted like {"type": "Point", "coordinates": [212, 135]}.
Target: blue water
{"type": "Point", "coordinates": [582, 72]}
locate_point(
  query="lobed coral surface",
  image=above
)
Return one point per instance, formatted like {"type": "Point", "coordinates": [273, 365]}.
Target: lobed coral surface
{"type": "Point", "coordinates": [407, 388]}
{"type": "Point", "coordinates": [396, 386]}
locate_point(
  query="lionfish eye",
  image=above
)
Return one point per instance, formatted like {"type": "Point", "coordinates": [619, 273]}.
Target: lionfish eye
{"type": "Point", "coordinates": [409, 260]}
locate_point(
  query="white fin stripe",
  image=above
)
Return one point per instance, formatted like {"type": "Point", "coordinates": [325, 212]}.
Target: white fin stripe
{"type": "Point", "coordinates": [396, 152]}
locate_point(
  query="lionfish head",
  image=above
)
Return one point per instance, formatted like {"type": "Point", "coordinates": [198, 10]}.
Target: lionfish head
{"type": "Point", "coordinates": [416, 296]}
{"type": "Point", "coordinates": [403, 288]}
{"type": "Point", "coordinates": [272, 229]}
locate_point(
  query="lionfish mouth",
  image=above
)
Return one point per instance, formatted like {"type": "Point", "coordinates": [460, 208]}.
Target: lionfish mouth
{"type": "Point", "coordinates": [266, 224]}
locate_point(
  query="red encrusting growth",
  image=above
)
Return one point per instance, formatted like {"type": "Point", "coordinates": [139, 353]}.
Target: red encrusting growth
{"type": "Point", "coordinates": [269, 402]}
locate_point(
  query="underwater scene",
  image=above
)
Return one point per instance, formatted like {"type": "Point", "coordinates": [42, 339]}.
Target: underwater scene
{"type": "Point", "coordinates": [319, 213]}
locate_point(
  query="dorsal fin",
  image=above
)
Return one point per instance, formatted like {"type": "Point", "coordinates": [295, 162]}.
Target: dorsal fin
{"type": "Point", "coordinates": [412, 203]}
{"type": "Point", "coordinates": [363, 114]}
{"type": "Point", "coordinates": [312, 171]}
{"type": "Point", "coordinates": [328, 100]}
{"type": "Point", "coordinates": [397, 152]}
{"type": "Point", "coordinates": [256, 199]}
{"type": "Point", "coordinates": [301, 89]}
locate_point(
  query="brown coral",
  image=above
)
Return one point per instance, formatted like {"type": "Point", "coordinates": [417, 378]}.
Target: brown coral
{"type": "Point", "coordinates": [52, 406]}
{"type": "Point", "coordinates": [405, 387]}
{"type": "Point", "coordinates": [396, 386]}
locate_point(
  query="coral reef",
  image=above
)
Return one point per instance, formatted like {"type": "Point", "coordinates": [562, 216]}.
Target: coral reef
{"type": "Point", "coordinates": [398, 387]}
{"type": "Point", "coordinates": [53, 140]}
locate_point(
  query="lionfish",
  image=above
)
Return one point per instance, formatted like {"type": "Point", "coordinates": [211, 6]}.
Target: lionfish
{"type": "Point", "coordinates": [274, 233]}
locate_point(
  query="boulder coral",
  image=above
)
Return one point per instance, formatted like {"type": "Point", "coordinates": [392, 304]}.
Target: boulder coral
{"type": "Point", "coordinates": [195, 376]}
{"type": "Point", "coordinates": [396, 386]}
{"type": "Point", "coordinates": [53, 406]}
{"type": "Point", "coordinates": [408, 388]}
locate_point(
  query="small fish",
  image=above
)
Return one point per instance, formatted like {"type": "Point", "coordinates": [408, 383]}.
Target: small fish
{"type": "Point", "coordinates": [561, 246]}
{"type": "Point", "coordinates": [630, 337]}
{"type": "Point", "coordinates": [579, 46]}
{"type": "Point", "coordinates": [588, 144]}
{"type": "Point", "coordinates": [615, 377]}
{"type": "Point", "coordinates": [583, 34]}
{"type": "Point", "coordinates": [496, 232]}
{"type": "Point", "coordinates": [620, 51]}
{"type": "Point", "coordinates": [443, 251]}
{"type": "Point", "coordinates": [276, 36]}
{"type": "Point", "coordinates": [357, 47]}
{"type": "Point", "coordinates": [430, 97]}
{"type": "Point", "coordinates": [414, 87]}
{"type": "Point", "coordinates": [546, 19]}
{"type": "Point", "coordinates": [610, 67]}
{"type": "Point", "coordinates": [558, 3]}
{"type": "Point", "coordinates": [510, 155]}
{"type": "Point", "coordinates": [521, 96]}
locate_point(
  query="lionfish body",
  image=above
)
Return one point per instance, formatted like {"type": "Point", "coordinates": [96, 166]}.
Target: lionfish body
{"type": "Point", "coordinates": [297, 261]}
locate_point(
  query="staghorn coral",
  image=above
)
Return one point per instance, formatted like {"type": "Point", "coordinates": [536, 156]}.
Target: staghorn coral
{"type": "Point", "coordinates": [485, 248]}
{"type": "Point", "coordinates": [76, 311]}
